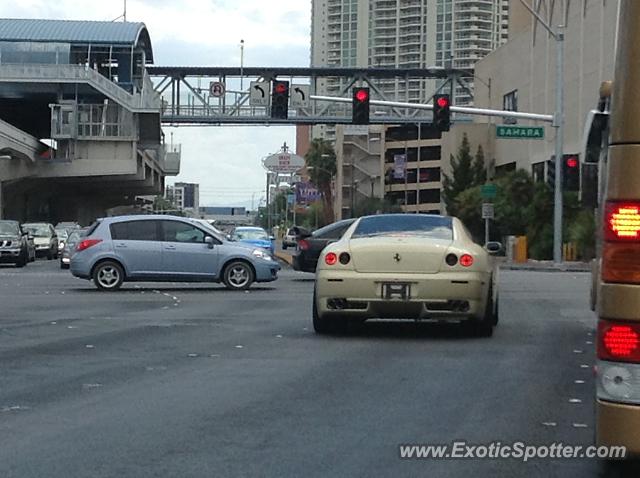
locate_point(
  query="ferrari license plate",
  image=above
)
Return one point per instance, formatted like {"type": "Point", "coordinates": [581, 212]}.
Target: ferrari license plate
{"type": "Point", "coordinates": [396, 291]}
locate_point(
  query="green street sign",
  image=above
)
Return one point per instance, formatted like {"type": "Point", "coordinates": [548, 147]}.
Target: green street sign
{"type": "Point", "coordinates": [488, 191]}
{"type": "Point", "coordinates": [519, 132]}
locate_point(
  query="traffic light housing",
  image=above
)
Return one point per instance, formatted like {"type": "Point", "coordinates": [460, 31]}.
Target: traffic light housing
{"type": "Point", "coordinates": [280, 99]}
{"type": "Point", "coordinates": [551, 174]}
{"type": "Point", "coordinates": [570, 172]}
{"type": "Point", "coordinates": [441, 112]}
{"type": "Point", "coordinates": [360, 106]}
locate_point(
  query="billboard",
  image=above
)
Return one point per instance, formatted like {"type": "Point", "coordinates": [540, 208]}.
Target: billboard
{"type": "Point", "coordinates": [399, 166]}
{"type": "Point", "coordinates": [306, 193]}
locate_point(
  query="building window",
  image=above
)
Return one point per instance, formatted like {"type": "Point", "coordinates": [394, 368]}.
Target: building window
{"type": "Point", "coordinates": [537, 171]}
{"type": "Point", "coordinates": [510, 103]}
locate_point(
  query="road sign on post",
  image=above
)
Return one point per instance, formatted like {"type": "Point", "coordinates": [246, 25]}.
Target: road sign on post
{"type": "Point", "coordinates": [488, 191]}
{"type": "Point", "coordinates": [519, 132]}
{"type": "Point", "coordinates": [217, 89]}
{"type": "Point", "coordinates": [487, 214]}
{"type": "Point", "coordinates": [259, 93]}
{"type": "Point", "coordinates": [488, 211]}
{"type": "Point", "coordinates": [299, 96]}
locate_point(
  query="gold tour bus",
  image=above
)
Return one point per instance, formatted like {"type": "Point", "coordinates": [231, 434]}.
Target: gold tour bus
{"type": "Point", "coordinates": [616, 295]}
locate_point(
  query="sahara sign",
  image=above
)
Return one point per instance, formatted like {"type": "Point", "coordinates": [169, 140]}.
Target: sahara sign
{"type": "Point", "coordinates": [519, 132]}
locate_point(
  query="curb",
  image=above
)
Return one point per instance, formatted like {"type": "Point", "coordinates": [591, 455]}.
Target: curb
{"type": "Point", "coordinates": [284, 257]}
{"type": "Point", "coordinates": [550, 268]}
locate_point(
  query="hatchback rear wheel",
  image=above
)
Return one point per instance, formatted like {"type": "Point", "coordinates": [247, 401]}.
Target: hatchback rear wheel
{"type": "Point", "coordinates": [108, 276]}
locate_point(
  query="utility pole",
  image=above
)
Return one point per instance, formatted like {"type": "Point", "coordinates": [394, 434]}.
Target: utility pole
{"type": "Point", "coordinates": [241, 64]}
{"type": "Point", "coordinates": [558, 123]}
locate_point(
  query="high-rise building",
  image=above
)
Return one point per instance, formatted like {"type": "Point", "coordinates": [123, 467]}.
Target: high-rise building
{"type": "Point", "coordinates": [399, 34]}
{"type": "Point", "coordinates": [467, 31]}
{"type": "Point", "coordinates": [184, 196]}
{"type": "Point", "coordinates": [405, 34]}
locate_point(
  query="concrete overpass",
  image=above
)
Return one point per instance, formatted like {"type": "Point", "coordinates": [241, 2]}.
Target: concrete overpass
{"type": "Point", "coordinates": [80, 128]}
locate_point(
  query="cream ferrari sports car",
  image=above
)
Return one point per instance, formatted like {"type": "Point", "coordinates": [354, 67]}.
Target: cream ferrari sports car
{"type": "Point", "coordinates": [406, 266]}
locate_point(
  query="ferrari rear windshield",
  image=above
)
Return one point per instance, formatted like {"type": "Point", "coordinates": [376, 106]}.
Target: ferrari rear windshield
{"type": "Point", "coordinates": [405, 224]}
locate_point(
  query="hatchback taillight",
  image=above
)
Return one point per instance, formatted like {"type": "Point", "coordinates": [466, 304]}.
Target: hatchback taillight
{"type": "Point", "coordinates": [87, 243]}
{"type": "Point", "coordinates": [619, 341]}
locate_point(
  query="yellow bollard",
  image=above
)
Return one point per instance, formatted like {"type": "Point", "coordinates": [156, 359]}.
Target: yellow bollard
{"type": "Point", "coordinates": [520, 254]}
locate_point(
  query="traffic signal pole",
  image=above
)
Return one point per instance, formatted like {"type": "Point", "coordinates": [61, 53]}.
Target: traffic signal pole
{"type": "Point", "coordinates": [469, 110]}
{"type": "Point", "coordinates": [558, 123]}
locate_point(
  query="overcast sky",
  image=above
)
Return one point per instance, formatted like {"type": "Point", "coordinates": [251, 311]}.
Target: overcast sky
{"type": "Point", "coordinates": [224, 160]}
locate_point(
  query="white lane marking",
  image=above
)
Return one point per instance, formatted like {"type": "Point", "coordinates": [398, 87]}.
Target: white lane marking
{"type": "Point", "coordinates": [584, 365]}
{"type": "Point", "coordinates": [192, 355]}
{"type": "Point", "coordinates": [580, 425]}
{"type": "Point", "coordinates": [71, 327]}
{"type": "Point", "coordinates": [89, 346]}
{"type": "Point", "coordinates": [549, 424]}
{"type": "Point", "coordinates": [91, 385]}
{"type": "Point", "coordinates": [588, 342]}
{"type": "Point", "coordinates": [578, 351]}
{"type": "Point", "coordinates": [239, 346]}
{"type": "Point", "coordinates": [165, 307]}
{"type": "Point", "coordinates": [14, 408]}
{"type": "Point", "coordinates": [278, 336]}
{"type": "Point", "coordinates": [579, 382]}
{"type": "Point", "coordinates": [575, 400]}
{"type": "Point", "coordinates": [54, 323]}
{"type": "Point", "coordinates": [214, 355]}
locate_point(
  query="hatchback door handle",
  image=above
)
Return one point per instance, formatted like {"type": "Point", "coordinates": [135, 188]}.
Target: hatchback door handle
{"type": "Point", "coordinates": [171, 248]}
{"type": "Point", "coordinates": [121, 245]}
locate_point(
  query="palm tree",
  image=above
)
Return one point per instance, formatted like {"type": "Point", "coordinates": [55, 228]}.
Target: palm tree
{"type": "Point", "coordinates": [321, 164]}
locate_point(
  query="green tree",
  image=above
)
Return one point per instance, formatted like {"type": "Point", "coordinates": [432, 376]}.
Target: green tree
{"type": "Point", "coordinates": [464, 175]}
{"type": "Point", "coordinates": [321, 164]}
{"type": "Point", "coordinates": [582, 231]}
{"type": "Point", "coordinates": [479, 167]}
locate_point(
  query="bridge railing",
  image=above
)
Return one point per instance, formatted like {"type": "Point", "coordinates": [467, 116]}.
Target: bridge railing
{"type": "Point", "coordinates": [33, 73]}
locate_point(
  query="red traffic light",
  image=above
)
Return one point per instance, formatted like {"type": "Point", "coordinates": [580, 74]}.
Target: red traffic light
{"type": "Point", "coordinates": [362, 95]}
{"type": "Point", "coordinates": [443, 102]}
{"type": "Point", "coordinates": [572, 162]}
{"type": "Point", "coordinates": [280, 88]}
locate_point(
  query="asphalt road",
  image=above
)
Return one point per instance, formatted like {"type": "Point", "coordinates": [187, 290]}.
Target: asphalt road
{"type": "Point", "coordinates": [180, 380]}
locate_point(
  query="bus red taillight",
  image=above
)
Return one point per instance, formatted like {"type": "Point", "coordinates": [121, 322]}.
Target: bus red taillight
{"type": "Point", "coordinates": [621, 248]}
{"type": "Point", "coordinates": [619, 341]}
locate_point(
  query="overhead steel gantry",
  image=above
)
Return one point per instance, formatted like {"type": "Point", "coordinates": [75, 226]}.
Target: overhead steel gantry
{"type": "Point", "coordinates": [190, 94]}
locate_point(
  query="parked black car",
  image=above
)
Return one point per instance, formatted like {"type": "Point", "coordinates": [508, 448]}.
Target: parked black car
{"type": "Point", "coordinates": [310, 244]}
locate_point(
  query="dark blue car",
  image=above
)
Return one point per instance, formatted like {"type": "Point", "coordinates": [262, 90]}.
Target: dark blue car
{"type": "Point", "coordinates": [256, 236]}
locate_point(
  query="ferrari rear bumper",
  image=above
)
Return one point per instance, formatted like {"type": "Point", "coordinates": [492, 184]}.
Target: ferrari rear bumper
{"type": "Point", "coordinates": [455, 295]}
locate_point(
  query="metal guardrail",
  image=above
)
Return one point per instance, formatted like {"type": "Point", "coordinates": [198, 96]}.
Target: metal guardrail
{"type": "Point", "coordinates": [29, 73]}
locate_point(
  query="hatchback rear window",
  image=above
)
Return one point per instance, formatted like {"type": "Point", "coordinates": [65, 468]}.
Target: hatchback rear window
{"type": "Point", "coordinates": [405, 224]}
{"type": "Point", "coordinates": [144, 230]}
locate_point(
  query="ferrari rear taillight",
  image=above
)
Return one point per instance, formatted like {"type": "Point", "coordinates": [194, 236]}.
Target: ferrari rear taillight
{"type": "Point", "coordinates": [451, 259]}
{"type": "Point", "coordinates": [466, 260]}
{"type": "Point", "coordinates": [331, 258]}
{"type": "Point", "coordinates": [87, 243]}
{"type": "Point", "coordinates": [619, 341]}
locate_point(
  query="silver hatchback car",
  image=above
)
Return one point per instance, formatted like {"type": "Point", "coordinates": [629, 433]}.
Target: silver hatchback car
{"type": "Point", "coordinates": [166, 248]}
